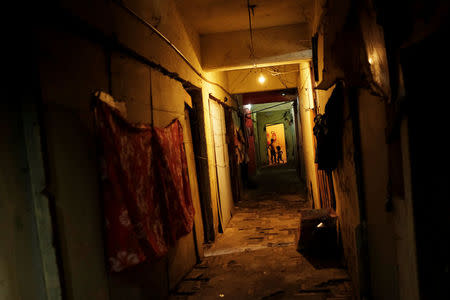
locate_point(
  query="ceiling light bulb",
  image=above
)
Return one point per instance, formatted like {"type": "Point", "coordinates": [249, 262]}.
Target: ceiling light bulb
{"type": "Point", "coordinates": [261, 78]}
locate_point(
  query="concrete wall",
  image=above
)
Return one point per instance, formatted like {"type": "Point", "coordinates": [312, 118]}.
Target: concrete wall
{"type": "Point", "coordinates": [344, 176]}
{"type": "Point", "coordinates": [299, 136]}
{"type": "Point", "coordinates": [70, 71]}
{"type": "Point", "coordinates": [73, 64]}
{"type": "Point", "coordinates": [21, 271]}
{"type": "Point", "coordinates": [340, 40]}
{"type": "Point", "coordinates": [345, 187]}
{"type": "Point", "coordinates": [391, 262]}
{"type": "Point", "coordinates": [307, 121]}
{"type": "Point", "coordinates": [246, 80]}
{"type": "Point", "coordinates": [347, 205]}
{"type": "Point", "coordinates": [404, 229]}
{"type": "Point", "coordinates": [372, 116]}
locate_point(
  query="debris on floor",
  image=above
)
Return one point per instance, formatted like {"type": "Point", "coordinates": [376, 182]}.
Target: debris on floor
{"type": "Point", "coordinates": [256, 257]}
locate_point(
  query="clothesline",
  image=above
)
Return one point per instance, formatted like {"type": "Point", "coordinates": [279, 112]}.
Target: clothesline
{"type": "Point", "coordinates": [145, 188]}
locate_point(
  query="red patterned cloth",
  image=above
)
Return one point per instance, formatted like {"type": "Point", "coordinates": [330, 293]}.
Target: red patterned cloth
{"type": "Point", "coordinates": [146, 192]}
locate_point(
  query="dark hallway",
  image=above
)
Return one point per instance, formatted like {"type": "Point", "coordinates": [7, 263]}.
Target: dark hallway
{"type": "Point", "coordinates": [256, 257]}
{"type": "Point", "coordinates": [240, 149]}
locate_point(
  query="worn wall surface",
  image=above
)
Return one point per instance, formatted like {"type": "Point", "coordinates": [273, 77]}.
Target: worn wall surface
{"type": "Point", "coordinates": [73, 64]}
{"type": "Point", "coordinates": [338, 23]}
{"type": "Point", "coordinates": [307, 120]}
{"type": "Point", "coordinates": [346, 194]}
{"type": "Point", "coordinates": [404, 229]}
{"type": "Point", "coordinates": [299, 136]}
{"type": "Point", "coordinates": [322, 99]}
{"type": "Point", "coordinates": [372, 115]}
{"type": "Point", "coordinates": [70, 71]}
{"type": "Point", "coordinates": [21, 272]}
{"type": "Point", "coordinates": [344, 183]}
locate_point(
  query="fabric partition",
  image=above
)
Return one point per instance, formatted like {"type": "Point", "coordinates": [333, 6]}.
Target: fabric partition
{"type": "Point", "coordinates": [172, 166]}
{"type": "Point", "coordinates": [145, 188]}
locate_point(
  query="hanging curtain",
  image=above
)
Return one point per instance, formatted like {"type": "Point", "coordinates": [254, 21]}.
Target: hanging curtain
{"type": "Point", "coordinates": [145, 185]}
{"type": "Point", "coordinates": [172, 167]}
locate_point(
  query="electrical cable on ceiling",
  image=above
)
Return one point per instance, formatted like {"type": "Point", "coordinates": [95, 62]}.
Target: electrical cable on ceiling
{"type": "Point", "coordinates": [167, 41]}
{"type": "Point", "coordinates": [276, 73]}
{"type": "Point", "coordinates": [284, 118]}
{"type": "Point", "coordinates": [254, 112]}
{"type": "Point", "coordinates": [232, 84]}
{"type": "Point", "coordinates": [251, 11]}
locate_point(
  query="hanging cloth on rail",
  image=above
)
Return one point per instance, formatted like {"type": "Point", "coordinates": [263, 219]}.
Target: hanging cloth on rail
{"type": "Point", "coordinates": [176, 191]}
{"type": "Point", "coordinates": [141, 178]}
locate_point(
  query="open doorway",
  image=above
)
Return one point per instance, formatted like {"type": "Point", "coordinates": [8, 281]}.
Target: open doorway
{"type": "Point", "coordinates": [196, 120]}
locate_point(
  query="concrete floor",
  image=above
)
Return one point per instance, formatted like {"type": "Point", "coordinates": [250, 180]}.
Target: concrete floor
{"type": "Point", "coordinates": [256, 257]}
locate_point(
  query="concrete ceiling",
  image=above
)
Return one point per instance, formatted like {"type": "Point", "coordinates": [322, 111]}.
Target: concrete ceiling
{"type": "Point", "coordinates": [214, 16]}
{"type": "Point", "coordinates": [282, 32]}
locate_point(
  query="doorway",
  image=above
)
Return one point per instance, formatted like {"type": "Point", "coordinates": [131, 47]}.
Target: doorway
{"type": "Point", "coordinates": [275, 133]}
{"type": "Point", "coordinates": [196, 121]}
{"type": "Point", "coordinates": [429, 161]}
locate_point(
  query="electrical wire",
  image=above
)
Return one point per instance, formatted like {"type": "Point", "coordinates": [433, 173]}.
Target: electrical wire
{"type": "Point", "coordinates": [284, 118]}
{"type": "Point", "coordinates": [232, 85]}
{"type": "Point", "coordinates": [167, 41]}
{"type": "Point", "coordinates": [254, 112]}
{"type": "Point", "coordinates": [250, 9]}
{"type": "Point", "coordinates": [275, 73]}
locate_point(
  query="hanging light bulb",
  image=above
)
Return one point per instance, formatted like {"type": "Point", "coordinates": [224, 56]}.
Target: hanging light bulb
{"type": "Point", "coordinates": [261, 78]}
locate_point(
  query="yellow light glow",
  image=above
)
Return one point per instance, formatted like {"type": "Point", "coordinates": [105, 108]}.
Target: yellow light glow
{"type": "Point", "coordinates": [261, 78]}
{"type": "Point", "coordinates": [370, 60]}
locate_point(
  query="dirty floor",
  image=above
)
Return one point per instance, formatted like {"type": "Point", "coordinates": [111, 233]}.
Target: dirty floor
{"type": "Point", "coordinates": [256, 257]}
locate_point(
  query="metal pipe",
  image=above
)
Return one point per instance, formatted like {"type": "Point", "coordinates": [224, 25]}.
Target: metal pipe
{"type": "Point", "coordinates": [168, 42]}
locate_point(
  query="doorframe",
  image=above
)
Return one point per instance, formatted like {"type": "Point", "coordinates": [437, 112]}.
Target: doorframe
{"type": "Point", "coordinates": [197, 122]}
{"type": "Point", "coordinates": [285, 142]}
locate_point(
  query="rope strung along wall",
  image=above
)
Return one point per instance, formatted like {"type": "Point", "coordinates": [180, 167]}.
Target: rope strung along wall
{"type": "Point", "coordinates": [177, 51]}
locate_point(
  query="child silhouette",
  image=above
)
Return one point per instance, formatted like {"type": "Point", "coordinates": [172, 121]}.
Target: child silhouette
{"type": "Point", "coordinates": [279, 154]}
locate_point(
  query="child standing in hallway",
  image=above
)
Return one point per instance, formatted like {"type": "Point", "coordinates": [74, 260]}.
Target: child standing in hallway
{"type": "Point", "coordinates": [279, 155]}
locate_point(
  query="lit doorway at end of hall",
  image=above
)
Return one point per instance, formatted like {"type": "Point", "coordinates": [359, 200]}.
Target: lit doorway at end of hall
{"type": "Point", "coordinates": [276, 144]}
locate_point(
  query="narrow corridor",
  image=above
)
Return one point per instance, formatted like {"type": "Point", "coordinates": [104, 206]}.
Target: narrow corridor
{"type": "Point", "coordinates": [256, 257]}
{"type": "Point", "coordinates": [238, 149]}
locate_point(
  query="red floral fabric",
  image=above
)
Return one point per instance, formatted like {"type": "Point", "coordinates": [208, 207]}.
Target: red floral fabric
{"type": "Point", "coordinates": [172, 165]}
{"type": "Point", "coordinates": [145, 185]}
